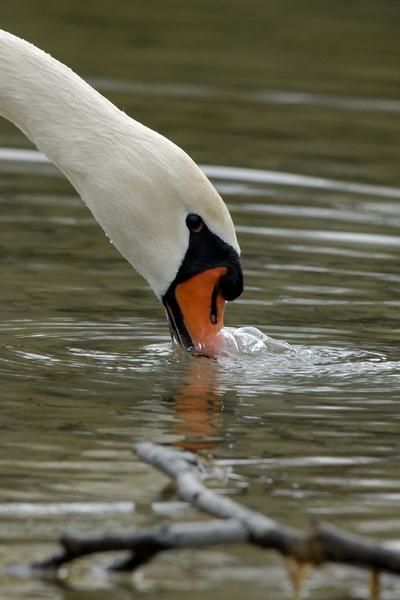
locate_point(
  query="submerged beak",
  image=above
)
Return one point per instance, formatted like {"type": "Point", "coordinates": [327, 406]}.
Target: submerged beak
{"type": "Point", "coordinates": [196, 312]}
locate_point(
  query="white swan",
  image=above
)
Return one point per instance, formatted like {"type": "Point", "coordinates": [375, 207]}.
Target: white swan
{"type": "Point", "coordinates": [151, 199]}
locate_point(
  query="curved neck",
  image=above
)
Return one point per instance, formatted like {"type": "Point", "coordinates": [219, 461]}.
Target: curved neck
{"type": "Point", "coordinates": [117, 165]}
{"type": "Point", "coordinates": [60, 113]}
{"type": "Point", "coordinates": [138, 184]}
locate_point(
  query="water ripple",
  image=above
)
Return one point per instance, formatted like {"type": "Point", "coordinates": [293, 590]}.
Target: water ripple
{"type": "Point", "coordinates": [11, 157]}
{"type": "Point", "coordinates": [280, 97]}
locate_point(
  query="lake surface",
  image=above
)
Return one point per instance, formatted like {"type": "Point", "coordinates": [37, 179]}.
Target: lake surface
{"type": "Point", "coordinates": [293, 110]}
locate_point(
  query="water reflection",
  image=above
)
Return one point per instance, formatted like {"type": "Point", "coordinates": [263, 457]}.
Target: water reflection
{"type": "Point", "coordinates": [198, 405]}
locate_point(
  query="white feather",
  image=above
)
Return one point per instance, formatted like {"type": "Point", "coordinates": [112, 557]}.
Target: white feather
{"type": "Point", "coordinates": [138, 184]}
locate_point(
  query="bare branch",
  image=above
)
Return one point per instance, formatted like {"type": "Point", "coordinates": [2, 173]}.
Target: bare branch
{"type": "Point", "coordinates": [321, 544]}
{"type": "Point", "coordinates": [147, 542]}
{"type": "Point", "coordinates": [333, 545]}
{"type": "Point", "coordinates": [184, 469]}
{"type": "Point", "coordinates": [234, 524]}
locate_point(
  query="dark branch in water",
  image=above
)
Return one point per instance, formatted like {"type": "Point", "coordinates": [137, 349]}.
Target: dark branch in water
{"type": "Point", "coordinates": [321, 544]}
{"type": "Point", "coordinates": [145, 543]}
{"type": "Point", "coordinates": [234, 524]}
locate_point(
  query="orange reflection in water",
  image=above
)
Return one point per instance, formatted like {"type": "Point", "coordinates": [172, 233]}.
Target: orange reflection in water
{"type": "Point", "coordinates": [198, 406]}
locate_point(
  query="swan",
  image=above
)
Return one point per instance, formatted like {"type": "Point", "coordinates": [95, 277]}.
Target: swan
{"type": "Point", "coordinates": [153, 202]}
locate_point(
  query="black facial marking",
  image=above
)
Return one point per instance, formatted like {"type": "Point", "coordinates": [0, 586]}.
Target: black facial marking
{"type": "Point", "coordinates": [205, 251]}
{"type": "Point", "coordinates": [177, 327]}
{"type": "Point", "coordinates": [214, 309]}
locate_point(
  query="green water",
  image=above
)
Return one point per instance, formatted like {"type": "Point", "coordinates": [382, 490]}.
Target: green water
{"type": "Point", "coordinates": [306, 88]}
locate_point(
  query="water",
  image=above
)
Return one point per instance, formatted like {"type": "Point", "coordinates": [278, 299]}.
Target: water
{"type": "Point", "coordinates": [300, 135]}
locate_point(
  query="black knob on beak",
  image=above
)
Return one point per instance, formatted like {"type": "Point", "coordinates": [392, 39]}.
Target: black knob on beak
{"type": "Point", "coordinates": [231, 284]}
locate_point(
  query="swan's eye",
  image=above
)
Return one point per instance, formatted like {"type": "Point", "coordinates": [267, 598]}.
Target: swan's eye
{"type": "Point", "coordinates": [194, 223]}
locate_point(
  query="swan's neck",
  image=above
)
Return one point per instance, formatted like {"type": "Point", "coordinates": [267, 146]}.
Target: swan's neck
{"type": "Point", "coordinates": [139, 185]}
{"type": "Point", "coordinates": [64, 117]}
{"type": "Point", "coordinates": [124, 171]}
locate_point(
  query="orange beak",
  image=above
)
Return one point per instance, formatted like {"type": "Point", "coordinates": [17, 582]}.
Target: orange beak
{"type": "Point", "coordinates": [202, 306]}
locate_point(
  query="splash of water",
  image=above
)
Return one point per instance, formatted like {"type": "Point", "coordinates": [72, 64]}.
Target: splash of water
{"type": "Point", "coordinates": [250, 340]}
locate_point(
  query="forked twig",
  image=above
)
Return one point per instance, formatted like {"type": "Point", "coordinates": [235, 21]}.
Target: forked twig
{"type": "Point", "coordinates": [234, 523]}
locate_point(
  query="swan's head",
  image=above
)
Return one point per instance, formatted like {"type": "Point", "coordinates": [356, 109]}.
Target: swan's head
{"type": "Point", "coordinates": [169, 222]}
{"type": "Point", "coordinates": [208, 274]}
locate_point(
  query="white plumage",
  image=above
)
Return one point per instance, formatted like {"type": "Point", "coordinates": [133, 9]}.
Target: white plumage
{"type": "Point", "coordinates": [138, 184]}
